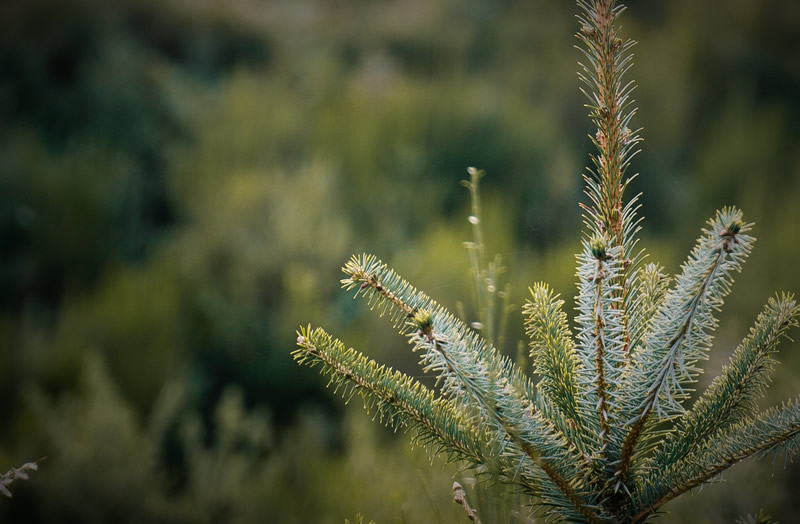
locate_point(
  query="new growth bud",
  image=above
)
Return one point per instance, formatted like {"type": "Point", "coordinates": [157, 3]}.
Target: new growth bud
{"type": "Point", "coordinates": [732, 229]}
{"type": "Point", "coordinates": [729, 234]}
{"type": "Point", "coordinates": [598, 248]}
{"type": "Point", "coordinates": [423, 320]}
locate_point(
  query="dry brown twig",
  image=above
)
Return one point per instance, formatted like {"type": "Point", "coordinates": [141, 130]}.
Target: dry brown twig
{"type": "Point", "coordinates": [20, 473]}
{"type": "Point", "coordinates": [460, 498]}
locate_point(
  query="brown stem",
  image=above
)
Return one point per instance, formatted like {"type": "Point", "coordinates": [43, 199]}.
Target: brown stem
{"type": "Point", "coordinates": [599, 356]}
{"type": "Point", "coordinates": [391, 297]}
{"type": "Point", "coordinates": [460, 498]}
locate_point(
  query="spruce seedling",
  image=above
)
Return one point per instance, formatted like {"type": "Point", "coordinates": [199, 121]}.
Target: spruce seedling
{"type": "Point", "coordinates": [607, 434]}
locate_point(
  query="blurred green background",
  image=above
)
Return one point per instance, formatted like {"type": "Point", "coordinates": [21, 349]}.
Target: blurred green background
{"type": "Point", "coordinates": [180, 182]}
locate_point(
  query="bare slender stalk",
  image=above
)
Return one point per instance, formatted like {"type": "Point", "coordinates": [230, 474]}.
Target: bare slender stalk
{"type": "Point", "coordinates": [20, 473]}
{"type": "Point", "coordinates": [460, 498]}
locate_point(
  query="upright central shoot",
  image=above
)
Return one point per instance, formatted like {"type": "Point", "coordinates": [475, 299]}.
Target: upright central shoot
{"type": "Point", "coordinates": [609, 331]}
{"type": "Point", "coordinates": [606, 435]}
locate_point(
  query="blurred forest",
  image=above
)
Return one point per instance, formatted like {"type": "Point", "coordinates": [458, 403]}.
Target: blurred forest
{"type": "Point", "coordinates": [180, 182]}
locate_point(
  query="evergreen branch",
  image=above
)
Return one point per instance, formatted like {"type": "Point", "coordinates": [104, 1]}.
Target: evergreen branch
{"type": "Point", "coordinates": [552, 351]}
{"type": "Point", "coordinates": [600, 322]}
{"type": "Point", "coordinates": [653, 286]}
{"type": "Point", "coordinates": [413, 311]}
{"type": "Point", "coordinates": [601, 347]}
{"type": "Point", "coordinates": [475, 375]}
{"type": "Point", "coordinates": [732, 396]}
{"type": "Point", "coordinates": [681, 333]}
{"type": "Point", "coordinates": [777, 428]}
{"type": "Point", "coordinates": [609, 101]}
{"type": "Point", "coordinates": [587, 512]}
{"type": "Point", "coordinates": [365, 272]}
{"type": "Point", "coordinates": [596, 312]}
{"type": "Point", "coordinates": [554, 359]}
{"type": "Point", "coordinates": [516, 421]}
{"type": "Point", "coordinates": [398, 398]}
{"type": "Point", "coordinates": [608, 57]}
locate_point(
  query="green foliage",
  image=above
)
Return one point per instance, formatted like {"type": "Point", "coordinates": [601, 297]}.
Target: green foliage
{"type": "Point", "coordinates": [552, 350]}
{"type": "Point", "coordinates": [235, 468]}
{"type": "Point", "coordinates": [761, 517]}
{"type": "Point", "coordinates": [359, 520]}
{"type": "Point", "coordinates": [605, 436]}
{"type": "Point", "coordinates": [397, 398]}
{"type": "Point", "coordinates": [731, 396]}
{"type": "Point", "coordinates": [179, 182]}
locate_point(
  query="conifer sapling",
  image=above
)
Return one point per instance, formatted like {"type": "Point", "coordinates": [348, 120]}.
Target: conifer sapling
{"type": "Point", "coordinates": [609, 433]}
